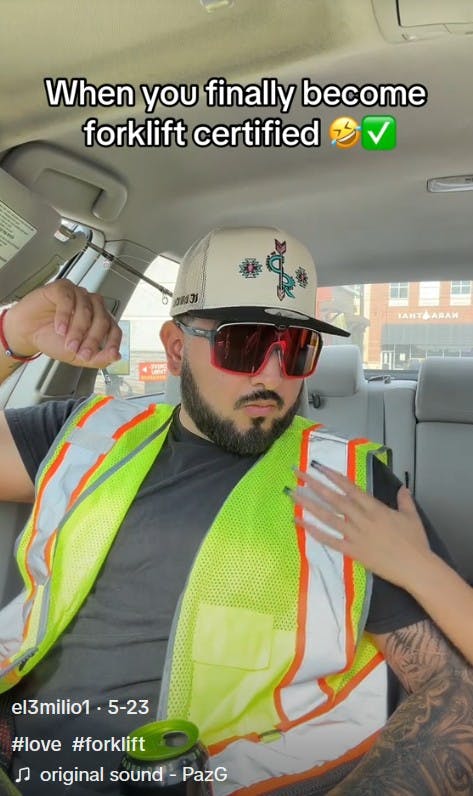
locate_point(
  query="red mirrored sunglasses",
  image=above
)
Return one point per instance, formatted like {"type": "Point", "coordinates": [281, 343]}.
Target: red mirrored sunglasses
{"type": "Point", "coordinates": [246, 347]}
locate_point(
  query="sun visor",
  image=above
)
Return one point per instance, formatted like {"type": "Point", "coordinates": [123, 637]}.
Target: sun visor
{"type": "Point", "coordinates": [77, 188]}
{"type": "Point", "coordinates": [411, 20]}
{"type": "Point", "coordinates": [31, 251]}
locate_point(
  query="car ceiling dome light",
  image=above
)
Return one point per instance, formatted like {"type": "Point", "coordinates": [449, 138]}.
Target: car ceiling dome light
{"type": "Point", "coordinates": [464, 182]}
{"type": "Point", "coordinates": [214, 5]}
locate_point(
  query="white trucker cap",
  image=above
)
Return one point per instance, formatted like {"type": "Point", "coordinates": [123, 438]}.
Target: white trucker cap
{"type": "Point", "coordinates": [250, 274]}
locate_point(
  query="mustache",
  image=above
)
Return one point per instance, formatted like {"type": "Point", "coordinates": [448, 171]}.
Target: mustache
{"type": "Point", "coordinates": [260, 395]}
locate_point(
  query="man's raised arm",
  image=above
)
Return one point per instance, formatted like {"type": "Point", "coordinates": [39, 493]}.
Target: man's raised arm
{"type": "Point", "coordinates": [68, 324]}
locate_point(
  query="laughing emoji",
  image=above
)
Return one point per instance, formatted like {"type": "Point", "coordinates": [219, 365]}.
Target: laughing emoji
{"type": "Point", "coordinates": [344, 132]}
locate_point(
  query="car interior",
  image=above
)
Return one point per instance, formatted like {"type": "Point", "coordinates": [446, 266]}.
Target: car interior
{"type": "Point", "coordinates": [108, 183]}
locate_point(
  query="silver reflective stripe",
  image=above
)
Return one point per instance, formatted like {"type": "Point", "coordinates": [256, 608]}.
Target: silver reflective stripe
{"type": "Point", "coordinates": [314, 743]}
{"type": "Point", "coordinates": [98, 443]}
{"type": "Point", "coordinates": [12, 621]}
{"type": "Point", "coordinates": [111, 470]}
{"type": "Point", "coordinates": [45, 604]}
{"type": "Point", "coordinates": [76, 462]}
{"type": "Point", "coordinates": [53, 513]}
{"type": "Point", "coordinates": [323, 636]}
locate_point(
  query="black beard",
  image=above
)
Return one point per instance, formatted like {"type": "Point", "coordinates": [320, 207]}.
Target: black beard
{"type": "Point", "coordinates": [224, 432]}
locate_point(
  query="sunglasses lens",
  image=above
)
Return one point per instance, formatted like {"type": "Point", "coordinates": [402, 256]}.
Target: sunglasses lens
{"type": "Point", "coordinates": [301, 352]}
{"type": "Point", "coordinates": [242, 348]}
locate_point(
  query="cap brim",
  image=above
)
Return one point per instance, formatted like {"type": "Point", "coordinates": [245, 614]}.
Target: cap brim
{"type": "Point", "coordinates": [268, 315]}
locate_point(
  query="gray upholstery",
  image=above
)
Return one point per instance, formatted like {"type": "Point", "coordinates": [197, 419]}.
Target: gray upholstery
{"type": "Point", "coordinates": [337, 390]}
{"type": "Point", "coordinates": [339, 372]}
{"type": "Point", "coordinates": [444, 451]}
{"type": "Point", "coordinates": [399, 428]}
{"type": "Point", "coordinates": [445, 390]}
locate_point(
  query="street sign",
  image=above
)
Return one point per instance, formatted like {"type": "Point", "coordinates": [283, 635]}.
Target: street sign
{"type": "Point", "coordinates": [152, 371]}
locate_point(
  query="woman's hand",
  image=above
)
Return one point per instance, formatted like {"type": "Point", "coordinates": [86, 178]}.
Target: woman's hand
{"type": "Point", "coordinates": [386, 541]}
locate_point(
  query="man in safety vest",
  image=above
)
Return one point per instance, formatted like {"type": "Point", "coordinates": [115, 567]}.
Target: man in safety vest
{"type": "Point", "coordinates": [168, 556]}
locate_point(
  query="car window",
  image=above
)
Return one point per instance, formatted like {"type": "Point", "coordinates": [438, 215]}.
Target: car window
{"type": "Point", "coordinates": [142, 368]}
{"type": "Point", "coordinates": [397, 325]}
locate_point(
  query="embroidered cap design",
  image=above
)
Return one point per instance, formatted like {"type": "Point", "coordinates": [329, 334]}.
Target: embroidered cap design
{"type": "Point", "coordinates": [250, 268]}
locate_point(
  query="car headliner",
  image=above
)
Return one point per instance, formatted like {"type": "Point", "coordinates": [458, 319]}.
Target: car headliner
{"type": "Point", "coordinates": [365, 215]}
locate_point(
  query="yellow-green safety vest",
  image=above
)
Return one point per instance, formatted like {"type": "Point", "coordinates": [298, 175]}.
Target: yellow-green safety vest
{"type": "Point", "coordinates": [267, 654]}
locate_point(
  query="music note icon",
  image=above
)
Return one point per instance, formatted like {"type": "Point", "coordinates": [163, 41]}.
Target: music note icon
{"type": "Point", "coordinates": [23, 774]}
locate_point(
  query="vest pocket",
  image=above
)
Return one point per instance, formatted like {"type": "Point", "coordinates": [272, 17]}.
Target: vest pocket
{"type": "Point", "coordinates": [235, 637]}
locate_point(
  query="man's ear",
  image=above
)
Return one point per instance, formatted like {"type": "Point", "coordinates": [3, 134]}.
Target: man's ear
{"type": "Point", "coordinates": [173, 341]}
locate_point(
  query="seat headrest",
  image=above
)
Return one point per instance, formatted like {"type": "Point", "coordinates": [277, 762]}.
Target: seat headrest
{"type": "Point", "coordinates": [339, 372]}
{"type": "Point", "coordinates": [445, 390]}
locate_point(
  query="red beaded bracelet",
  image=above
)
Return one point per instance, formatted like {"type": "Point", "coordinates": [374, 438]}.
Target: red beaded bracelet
{"type": "Point", "coordinates": [8, 351]}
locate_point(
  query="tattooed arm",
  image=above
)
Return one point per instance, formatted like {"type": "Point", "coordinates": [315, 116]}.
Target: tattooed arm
{"type": "Point", "coordinates": [426, 748]}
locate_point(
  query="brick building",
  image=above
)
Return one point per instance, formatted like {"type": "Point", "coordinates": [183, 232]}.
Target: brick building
{"type": "Point", "coordinates": [411, 321]}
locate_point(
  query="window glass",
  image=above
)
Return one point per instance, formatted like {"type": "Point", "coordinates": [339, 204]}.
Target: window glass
{"type": "Point", "coordinates": [429, 294]}
{"type": "Point", "coordinates": [142, 369]}
{"type": "Point", "coordinates": [399, 336]}
{"type": "Point", "coordinates": [390, 336]}
{"type": "Point", "coordinates": [398, 294]}
{"type": "Point", "coordinates": [460, 292]}
{"type": "Point", "coordinates": [461, 287]}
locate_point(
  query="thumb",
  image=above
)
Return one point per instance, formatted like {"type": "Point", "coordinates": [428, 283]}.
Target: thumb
{"type": "Point", "coordinates": [405, 503]}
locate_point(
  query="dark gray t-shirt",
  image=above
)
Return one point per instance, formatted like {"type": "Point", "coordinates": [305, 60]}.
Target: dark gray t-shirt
{"type": "Point", "coordinates": [115, 647]}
